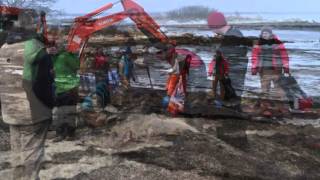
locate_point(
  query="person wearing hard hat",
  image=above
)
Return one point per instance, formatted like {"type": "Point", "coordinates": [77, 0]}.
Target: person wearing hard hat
{"type": "Point", "coordinates": [26, 91]}
{"type": "Point", "coordinates": [231, 48]}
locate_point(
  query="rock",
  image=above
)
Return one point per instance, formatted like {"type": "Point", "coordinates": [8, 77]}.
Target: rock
{"type": "Point", "coordinates": [140, 62]}
{"type": "Point", "coordinates": [4, 139]}
{"type": "Point", "coordinates": [113, 118]}
{"type": "Point", "coordinates": [142, 126]}
{"type": "Point", "coordinates": [84, 166]}
{"type": "Point", "coordinates": [159, 147]}
{"type": "Point", "coordinates": [111, 109]}
{"type": "Point", "coordinates": [94, 119]}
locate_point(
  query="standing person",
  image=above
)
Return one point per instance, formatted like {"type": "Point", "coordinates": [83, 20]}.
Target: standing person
{"type": "Point", "coordinates": [220, 66]}
{"type": "Point", "coordinates": [87, 67]}
{"type": "Point", "coordinates": [102, 78]}
{"type": "Point", "coordinates": [270, 59]}
{"type": "Point", "coordinates": [232, 48]}
{"type": "Point", "coordinates": [101, 67]}
{"type": "Point", "coordinates": [126, 68]}
{"type": "Point", "coordinates": [179, 70]}
{"type": "Point", "coordinates": [67, 82]}
{"type": "Point", "coordinates": [177, 81]}
{"type": "Point", "coordinates": [101, 61]}
{"type": "Point", "coordinates": [26, 91]}
{"type": "Point", "coordinates": [233, 132]}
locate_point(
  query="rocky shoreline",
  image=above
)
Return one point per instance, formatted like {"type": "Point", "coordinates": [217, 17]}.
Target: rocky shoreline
{"type": "Point", "coordinates": [139, 141]}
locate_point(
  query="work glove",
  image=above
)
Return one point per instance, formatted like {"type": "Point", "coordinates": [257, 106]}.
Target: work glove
{"type": "Point", "coordinates": [254, 71]}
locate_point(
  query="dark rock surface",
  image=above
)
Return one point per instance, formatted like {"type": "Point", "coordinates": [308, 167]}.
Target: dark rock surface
{"type": "Point", "coordinates": [139, 141]}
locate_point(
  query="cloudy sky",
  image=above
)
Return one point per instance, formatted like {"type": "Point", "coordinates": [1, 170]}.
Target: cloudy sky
{"type": "Point", "coordinates": [278, 6]}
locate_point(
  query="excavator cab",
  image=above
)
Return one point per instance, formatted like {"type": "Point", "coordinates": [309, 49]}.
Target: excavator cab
{"type": "Point", "coordinates": [7, 17]}
{"type": "Point", "coordinates": [11, 19]}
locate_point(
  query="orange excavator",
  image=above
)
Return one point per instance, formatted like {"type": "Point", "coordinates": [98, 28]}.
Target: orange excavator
{"type": "Point", "coordinates": [86, 25]}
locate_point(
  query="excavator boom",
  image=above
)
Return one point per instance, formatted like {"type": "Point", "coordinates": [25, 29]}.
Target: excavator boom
{"type": "Point", "coordinates": [86, 25]}
{"type": "Point", "coordinates": [145, 22]}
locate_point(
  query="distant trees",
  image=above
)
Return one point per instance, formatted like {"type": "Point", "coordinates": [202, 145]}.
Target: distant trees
{"type": "Point", "coordinates": [189, 13]}
{"type": "Point", "coordinates": [32, 4]}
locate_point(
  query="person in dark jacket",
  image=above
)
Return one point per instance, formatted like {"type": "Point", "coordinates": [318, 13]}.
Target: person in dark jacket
{"type": "Point", "coordinates": [26, 97]}
{"type": "Point", "coordinates": [233, 48]}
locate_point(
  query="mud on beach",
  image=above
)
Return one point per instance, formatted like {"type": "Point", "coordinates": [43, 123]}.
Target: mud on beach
{"type": "Point", "coordinates": [139, 141]}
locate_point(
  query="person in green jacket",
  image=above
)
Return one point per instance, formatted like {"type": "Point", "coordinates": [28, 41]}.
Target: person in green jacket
{"type": "Point", "coordinates": [67, 82]}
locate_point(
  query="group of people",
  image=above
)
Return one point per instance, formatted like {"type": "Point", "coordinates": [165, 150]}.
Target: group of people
{"type": "Point", "coordinates": [228, 68]}
{"type": "Point", "coordinates": [47, 88]}
{"type": "Point", "coordinates": [269, 59]}
{"type": "Point", "coordinates": [101, 74]}
{"type": "Point", "coordinates": [39, 88]}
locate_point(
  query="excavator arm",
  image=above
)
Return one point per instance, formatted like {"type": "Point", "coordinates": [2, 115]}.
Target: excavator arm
{"type": "Point", "coordinates": [145, 23]}
{"type": "Point", "coordinates": [86, 25]}
{"type": "Point", "coordinates": [82, 30]}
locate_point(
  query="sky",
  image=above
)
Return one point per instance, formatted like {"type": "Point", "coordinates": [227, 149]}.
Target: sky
{"type": "Point", "coordinates": [277, 6]}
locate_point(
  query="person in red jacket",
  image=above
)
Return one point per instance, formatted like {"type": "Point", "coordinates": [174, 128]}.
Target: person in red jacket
{"type": "Point", "coordinates": [270, 59]}
{"type": "Point", "coordinates": [219, 67]}
{"type": "Point", "coordinates": [101, 60]}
